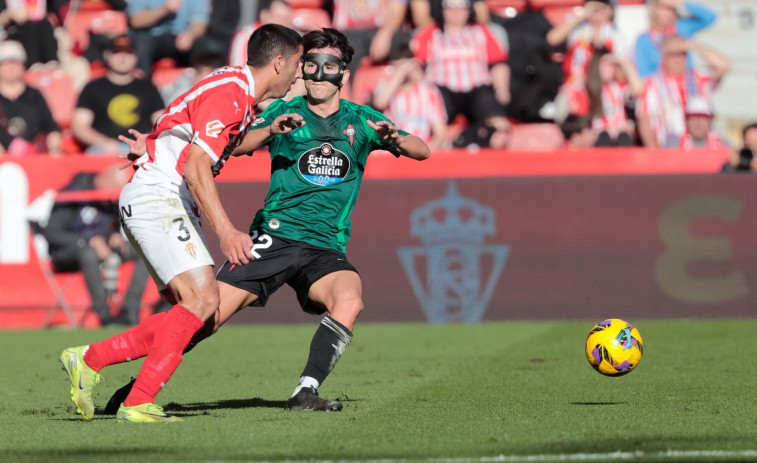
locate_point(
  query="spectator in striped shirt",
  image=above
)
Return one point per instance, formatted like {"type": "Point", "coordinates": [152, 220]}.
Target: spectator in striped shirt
{"type": "Point", "coordinates": [369, 25]}
{"type": "Point", "coordinates": [661, 108]}
{"type": "Point", "coordinates": [469, 65]}
{"type": "Point", "coordinates": [410, 101]}
{"type": "Point", "coordinates": [699, 133]}
{"type": "Point", "coordinates": [613, 85]}
{"type": "Point", "coordinates": [583, 34]}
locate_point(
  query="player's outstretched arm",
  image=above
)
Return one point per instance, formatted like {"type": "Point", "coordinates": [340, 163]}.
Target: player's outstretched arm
{"type": "Point", "coordinates": [198, 173]}
{"type": "Point", "coordinates": [408, 145]}
{"type": "Point", "coordinates": [256, 138]}
{"type": "Point", "coordinates": [137, 147]}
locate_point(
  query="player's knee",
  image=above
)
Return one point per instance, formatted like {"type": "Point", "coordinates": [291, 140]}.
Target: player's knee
{"type": "Point", "coordinates": [350, 307]}
{"type": "Point", "coordinates": [203, 302]}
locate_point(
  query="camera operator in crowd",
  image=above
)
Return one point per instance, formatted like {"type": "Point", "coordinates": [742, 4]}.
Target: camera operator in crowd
{"type": "Point", "coordinates": [742, 160]}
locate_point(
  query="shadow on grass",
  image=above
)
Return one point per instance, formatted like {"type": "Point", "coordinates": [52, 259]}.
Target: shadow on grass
{"type": "Point", "coordinates": [590, 404]}
{"type": "Point", "coordinates": [233, 404]}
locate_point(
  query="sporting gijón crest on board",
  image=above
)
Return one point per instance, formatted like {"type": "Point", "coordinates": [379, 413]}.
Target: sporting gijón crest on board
{"type": "Point", "coordinates": [350, 132]}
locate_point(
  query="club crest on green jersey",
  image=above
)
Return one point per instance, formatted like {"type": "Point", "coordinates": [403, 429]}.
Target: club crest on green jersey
{"type": "Point", "coordinates": [324, 165]}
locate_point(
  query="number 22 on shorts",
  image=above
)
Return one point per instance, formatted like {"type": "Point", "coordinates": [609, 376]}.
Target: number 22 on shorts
{"type": "Point", "coordinates": [263, 242]}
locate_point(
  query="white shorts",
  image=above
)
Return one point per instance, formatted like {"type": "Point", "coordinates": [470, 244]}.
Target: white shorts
{"type": "Point", "coordinates": [164, 228]}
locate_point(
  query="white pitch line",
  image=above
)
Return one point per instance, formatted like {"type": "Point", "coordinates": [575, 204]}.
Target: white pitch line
{"type": "Point", "coordinates": [669, 454]}
{"type": "Point", "coordinates": [610, 456]}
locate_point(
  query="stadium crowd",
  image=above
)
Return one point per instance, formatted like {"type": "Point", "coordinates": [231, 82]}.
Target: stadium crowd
{"type": "Point", "coordinates": [461, 73]}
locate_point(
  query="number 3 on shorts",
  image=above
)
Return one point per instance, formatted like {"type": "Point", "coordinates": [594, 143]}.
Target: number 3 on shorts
{"type": "Point", "coordinates": [184, 234]}
{"type": "Point", "coordinates": [263, 242]}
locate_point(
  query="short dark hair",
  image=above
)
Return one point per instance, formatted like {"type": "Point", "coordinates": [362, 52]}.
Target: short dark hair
{"type": "Point", "coordinates": [747, 128]}
{"type": "Point", "coordinates": [574, 124]}
{"type": "Point", "coordinates": [269, 41]}
{"type": "Point", "coordinates": [329, 38]}
{"type": "Point", "coordinates": [209, 59]}
{"type": "Point", "coordinates": [400, 49]}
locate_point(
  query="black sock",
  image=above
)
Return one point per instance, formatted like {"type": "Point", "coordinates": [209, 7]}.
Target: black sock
{"type": "Point", "coordinates": [329, 342]}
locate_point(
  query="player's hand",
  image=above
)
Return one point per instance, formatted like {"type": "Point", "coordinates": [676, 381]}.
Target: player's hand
{"type": "Point", "coordinates": [286, 123]}
{"type": "Point", "coordinates": [137, 147]}
{"type": "Point", "coordinates": [387, 132]}
{"type": "Point", "coordinates": [236, 246]}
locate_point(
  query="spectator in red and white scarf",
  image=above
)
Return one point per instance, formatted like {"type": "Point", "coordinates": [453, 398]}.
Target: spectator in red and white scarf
{"type": "Point", "coordinates": [699, 133]}
{"type": "Point", "coordinates": [661, 107]}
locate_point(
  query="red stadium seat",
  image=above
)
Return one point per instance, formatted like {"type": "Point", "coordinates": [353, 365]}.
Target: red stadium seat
{"type": "Point", "coordinates": [535, 137]}
{"type": "Point", "coordinates": [305, 3]}
{"type": "Point", "coordinates": [558, 14]}
{"type": "Point", "coordinates": [163, 77]}
{"type": "Point", "coordinates": [57, 87]}
{"type": "Point", "coordinates": [79, 23]}
{"type": "Point", "coordinates": [308, 19]}
{"type": "Point", "coordinates": [364, 82]}
{"type": "Point", "coordinates": [94, 5]}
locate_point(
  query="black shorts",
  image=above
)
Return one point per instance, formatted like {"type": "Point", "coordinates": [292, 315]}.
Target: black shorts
{"type": "Point", "coordinates": [282, 261]}
{"type": "Point", "coordinates": [477, 105]}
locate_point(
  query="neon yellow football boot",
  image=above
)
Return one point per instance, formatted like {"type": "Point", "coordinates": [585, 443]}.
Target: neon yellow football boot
{"type": "Point", "coordinates": [83, 380]}
{"type": "Point", "coordinates": [144, 413]}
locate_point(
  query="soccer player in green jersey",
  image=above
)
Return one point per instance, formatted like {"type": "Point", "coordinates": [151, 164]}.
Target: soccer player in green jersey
{"type": "Point", "coordinates": [319, 146]}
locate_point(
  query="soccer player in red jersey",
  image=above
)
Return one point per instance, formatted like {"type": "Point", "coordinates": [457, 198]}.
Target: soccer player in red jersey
{"type": "Point", "coordinates": [160, 209]}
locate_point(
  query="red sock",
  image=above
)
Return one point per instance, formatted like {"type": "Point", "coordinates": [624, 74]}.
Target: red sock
{"type": "Point", "coordinates": [132, 344]}
{"type": "Point", "coordinates": [169, 343]}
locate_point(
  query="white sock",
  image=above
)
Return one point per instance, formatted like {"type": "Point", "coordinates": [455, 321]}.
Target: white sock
{"type": "Point", "coordinates": [306, 381]}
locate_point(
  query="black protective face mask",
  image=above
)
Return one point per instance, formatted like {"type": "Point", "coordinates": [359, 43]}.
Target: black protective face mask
{"type": "Point", "coordinates": [320, 59]}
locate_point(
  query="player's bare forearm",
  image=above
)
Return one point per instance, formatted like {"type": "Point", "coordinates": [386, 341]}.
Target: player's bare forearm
{"type": "Point", "coordinates": [256, 138]}
{"type": "Point", "coordinates": [413, 147]}
{"type": "Point", "coordinates": [198, 174]}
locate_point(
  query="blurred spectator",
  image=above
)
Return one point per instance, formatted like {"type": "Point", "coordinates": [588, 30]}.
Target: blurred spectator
{"type": "Point", "coordinates": [584, 34]}
{"type": "Point", "coordinates": [166, 28]}
{"type": "Point", "coordinates": [414, 104]}
{"type": "Point", "coordinates": [667, 18]}
{"type": "Point", "coordinates": [535, 76]}
{"type": "Point", "coordinates": [369, 25]}
{"type": "Point", "coordinates": [26, 21]}
{"type": "Point", "coordinates": [270, 12]}
{"type": "Point", "coordinates": [111, 105]}
{"type": "Point", "coordinates": [699, 133]}
{"type": "Point", "coordinates": [749, 136]}
{"type": "Point", "coordinates": [85, 235]}
{"type": "Point", "coordinates": [742, 160]}
{"type": "Point", "coordinates": [203, 63]}
{"type": "Point", "coordinates": [661, 107]}
{"type": "Point", "coordinates": [24, 114]}
{"type": "Point", "coordinates": [577, 132]}
{"type": "Point", "coordinates": [423, 12]}
{"type": "Point", "coordinates": [76, 66]}
{"type": "Point", "coordinates": [224, 17]}
{"type": "Point", "coordinates": [613, 85]}
{"type": "Point", "coordinates": [469, 66]}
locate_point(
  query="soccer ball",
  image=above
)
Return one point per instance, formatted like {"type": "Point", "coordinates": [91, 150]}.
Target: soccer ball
{"type": "Point", "coordinates": [614, 347]}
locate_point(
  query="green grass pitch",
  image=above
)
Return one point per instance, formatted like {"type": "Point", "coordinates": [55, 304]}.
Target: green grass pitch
{"type": "Point", "coordinates": [488, 392]}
